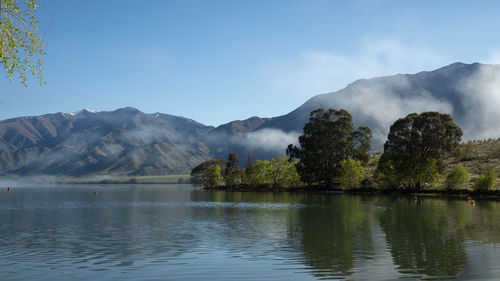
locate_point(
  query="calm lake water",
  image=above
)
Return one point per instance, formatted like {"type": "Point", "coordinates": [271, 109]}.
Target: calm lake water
{"type": "Point", "coordinates": [182, 233]}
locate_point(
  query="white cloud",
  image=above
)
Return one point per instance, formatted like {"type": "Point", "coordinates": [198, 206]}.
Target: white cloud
{"type": "Point", "coordinates": [379, 105]}
{"type": "Point", "coordinates": [273, 140]}
{"type": "Point", "coordinates": [481, 99]}
{"type": "Point", "coordinates": [313, 72]}
{"type": "Point", "coordinates": [269, 140]}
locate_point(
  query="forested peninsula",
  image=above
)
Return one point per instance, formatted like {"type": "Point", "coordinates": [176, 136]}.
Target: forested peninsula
{"type": "Point", "coordinates": [424, 153]}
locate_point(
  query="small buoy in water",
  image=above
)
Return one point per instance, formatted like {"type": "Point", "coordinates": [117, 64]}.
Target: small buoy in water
{"type": "Point", "coordinates": [414, 198]}
{"type": "Point", "coordinates": [8, 189]}
{"type": "Point", "coordinates": [95, 193]}
{"type": "Point", "coordinates": [472, 202]}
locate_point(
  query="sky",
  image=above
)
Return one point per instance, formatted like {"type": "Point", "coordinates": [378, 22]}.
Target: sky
{"type": "Point", "coordinates": [219, 61]}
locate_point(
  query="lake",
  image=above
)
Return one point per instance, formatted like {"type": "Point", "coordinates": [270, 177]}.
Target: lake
{"type": "Point", "coordinates": [177, 232]}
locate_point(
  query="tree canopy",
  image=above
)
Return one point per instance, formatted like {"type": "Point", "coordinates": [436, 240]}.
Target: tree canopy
{"type": "Point", "coordinates": [203, 174]}
{"type": "Point", "coordinates": [232, 174]}
{"type": "Point", "coordinates": [328, 138]}
{"type": "Point", "coordinates": [21, 48]}
{"type": "Point", "coordinates": [279, 173]}
{"type": "Point", "coordinates": [415, 148]}
{"type": "Point", "coordinates": [426, 135]}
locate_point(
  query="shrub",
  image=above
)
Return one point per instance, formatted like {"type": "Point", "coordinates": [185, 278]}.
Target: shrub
{"type": "Point", "coordinates": [486, 182]}
{"type": "Point", "coordinates": [216, 178]}
{"type": "Point", "coordinates": [458, 177]}
{"type": "Point", "coordinates": [351, 173]}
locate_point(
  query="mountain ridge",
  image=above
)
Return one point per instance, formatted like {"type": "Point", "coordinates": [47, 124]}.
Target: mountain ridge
{"type": "Point", "coordinates": [127, 141]}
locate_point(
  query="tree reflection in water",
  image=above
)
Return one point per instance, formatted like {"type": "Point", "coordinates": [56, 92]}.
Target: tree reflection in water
{"type": "Point", "coordinates": [285, 234]}
{"type": "Point", "coordinates": [332, 232]}
{"type": "Point", "coordinates": [335, 235]}
{"type": "Point", "coordinates": [427, 237]}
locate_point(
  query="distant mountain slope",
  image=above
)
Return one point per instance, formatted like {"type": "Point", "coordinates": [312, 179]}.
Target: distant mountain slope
{"type": "Point", "coordinates": [124, 141]}
{"type": "Point", "coordinates": [469, 92]}
{"type": "Point", "coordinates": [129, 142]}
{"type": "Point", "coordinates": [242, 126]}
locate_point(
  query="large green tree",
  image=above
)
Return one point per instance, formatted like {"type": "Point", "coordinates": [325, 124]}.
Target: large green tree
{"type": "Point", "coordinates": [328, 138]}
{"type": "Point", "coordinates": [21, 48]}
{"type": "Point", "coordinates": [415, 148]}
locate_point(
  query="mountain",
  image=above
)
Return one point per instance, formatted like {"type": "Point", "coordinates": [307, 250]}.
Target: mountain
{"type": "Point", "coordinates": [129, 142]}
{"type": "Point", "coordinates": [124, 141]}
{"type": "Point", "coordinates": [469, 92]}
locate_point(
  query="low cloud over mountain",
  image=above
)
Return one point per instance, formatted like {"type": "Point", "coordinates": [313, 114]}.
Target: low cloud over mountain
{"type": "Point", "coordinates": [127, 141]}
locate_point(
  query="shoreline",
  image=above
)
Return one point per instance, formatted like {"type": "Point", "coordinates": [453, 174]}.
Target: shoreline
{"type": "Point", "coordinates": [367, 191]}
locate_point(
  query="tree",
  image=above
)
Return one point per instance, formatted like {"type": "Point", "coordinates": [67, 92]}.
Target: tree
{"type": "Point", "coordinates": [232, 162]}
{"type": "Point", "coordinates": [361, 142]}
{"type": "Point", "coordinates": [415, 148]}
{"type": "Point", "coordinates": [426, 135]}
{"type": "Point", "coordinates": [279, 173]}
{"type": "Point", "coordinates": [202, 175]}
{"type": "Point", "coordinates": [351, 173]}
{"type": "Point", "coordinates": [283, 172]}
{"type": "Point", "coordinates": [259, 173]}
{"type": "Point", "coordinates": [232, 174]}
{"type": "Point", "coordinates": [21, 48]}
{"type": "Point", "coordinates": [328, 138]}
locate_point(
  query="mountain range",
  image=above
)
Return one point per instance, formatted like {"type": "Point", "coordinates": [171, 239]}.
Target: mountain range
{"type": "Point", "coordinates": [129, 142]}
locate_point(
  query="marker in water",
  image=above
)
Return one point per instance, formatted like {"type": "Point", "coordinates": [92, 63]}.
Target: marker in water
{"type": "Point", "coordinates": [8, 189]}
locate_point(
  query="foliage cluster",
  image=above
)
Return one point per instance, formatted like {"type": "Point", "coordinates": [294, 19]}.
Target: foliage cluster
{"type": "Point", "coordinates": [409, 173]}
{"type": "Point", "coordinates": [280, 172]}
{"type": "Point", "coordinates": [232, 174]}
{"type": "Point", "coordinates": [458, 177]}
{"type": "Point", "coordinates": [486, 182]}
{"type": "Point", "coordinates": [415, 148]}
{"type": "Point", "coordinates": [202, 174]}
{"type": "Point", "coordinates": [351, 173]}
{"type": "Point", "coordinates": [21, 48]}
{"type": "Point", "coordinates": [329, 138]}
{"type": "Point", "coordinates": [330, 153]}
{"type": "Point", "coordinates": [277, 173]}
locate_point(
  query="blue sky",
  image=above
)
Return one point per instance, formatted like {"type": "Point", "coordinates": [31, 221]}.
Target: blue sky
{"type": "Point", "coordinates": [218, 61]}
